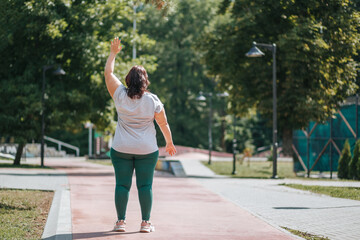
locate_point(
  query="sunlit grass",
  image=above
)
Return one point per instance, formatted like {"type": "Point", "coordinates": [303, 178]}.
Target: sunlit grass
{"type": "Point", "coordinates": [23, 213]}
{"type": "Point", "coordinates": [305, 235]}
{"type": "Point", "coordinates": [102, 162]}
{"type": "Point", "coordinates": [22, 165]}
{"type": "Point", "coordinates": [340, 192]}
{"type": "Point", "coordinates": [252, 169]}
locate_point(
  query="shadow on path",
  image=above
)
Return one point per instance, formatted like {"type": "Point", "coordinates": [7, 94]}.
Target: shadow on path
{"type": "Point", "coordinates": [99, 234]}
{"type": "Point", "coordinates": [88, 235]}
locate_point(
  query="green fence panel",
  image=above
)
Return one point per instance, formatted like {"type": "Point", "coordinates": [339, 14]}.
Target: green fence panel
{"type": "Point", "coordinates": [336, 131]}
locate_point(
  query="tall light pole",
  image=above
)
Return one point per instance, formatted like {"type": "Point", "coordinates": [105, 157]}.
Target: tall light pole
{"type": "Point", "coordinates": [202, 97]}
{"type": "Point", "coordinates": [90, 126]}
{"type": "Point", "coordinates": [57, 72]}
{"type": "Point", "coordinates": [234, 147]}
{"type": "Point", "coordinates": [134, 32]}
{"type": "Point", "coordinates": [255, 52]}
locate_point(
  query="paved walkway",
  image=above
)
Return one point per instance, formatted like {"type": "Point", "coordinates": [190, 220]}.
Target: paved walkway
{"type": "Point", "coordinates": [41, 179]}
{"type": "Point", "coordinates": [204, 206]}
{"type": "Point", "coordinates": [182, 209]}
{"type": "Point", "coordinates": [322, 215]}
{"type": "Point", "coordinates": [282, 206]}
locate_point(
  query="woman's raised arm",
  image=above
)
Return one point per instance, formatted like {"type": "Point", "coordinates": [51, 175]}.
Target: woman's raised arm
{"type": "Point", "coordinates": [112, 82]}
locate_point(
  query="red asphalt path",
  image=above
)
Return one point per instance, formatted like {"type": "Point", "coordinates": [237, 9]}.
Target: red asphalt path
{"type": "Point", "coordinates": [182, 209]}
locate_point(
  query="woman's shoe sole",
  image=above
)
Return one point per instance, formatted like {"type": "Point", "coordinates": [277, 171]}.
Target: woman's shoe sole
{"type": "Point", "coordinates": [148, 231]}
{"type": "Point", "coordinates": [119, 230]}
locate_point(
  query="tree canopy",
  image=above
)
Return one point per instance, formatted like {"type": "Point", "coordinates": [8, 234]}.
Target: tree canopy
{"type": "Point", "coordinates": [180, 74]}
{"type": "Point", "coordinates": [316, 44]}
{"type": "Point", "coordinates": [188, 47]}
{"type": "Point", "coordinates": [74, 35]}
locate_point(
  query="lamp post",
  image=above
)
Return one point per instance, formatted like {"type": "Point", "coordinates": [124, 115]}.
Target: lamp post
{"type": "Point", "coordinates": [136, 6]}
{"type": "Point", "coordinates": [202, 97]}
{"type": "Point", "coordinates": [90, 126]}
{"type": "Point", "coordinates": [59, 71]}
{"type": "Point", "coordinates": [134, 31]}
{"type": "Point", "coordinates": [234, 147]}
{"type": "Point", "coordinates": [255, 52]}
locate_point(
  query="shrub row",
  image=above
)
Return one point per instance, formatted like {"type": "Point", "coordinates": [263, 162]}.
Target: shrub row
{"type": "Point", "coordinates": [349, 166]}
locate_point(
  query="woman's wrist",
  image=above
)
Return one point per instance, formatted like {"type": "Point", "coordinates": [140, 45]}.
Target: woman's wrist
{"type": "Point", "coordinates": [113, 54]}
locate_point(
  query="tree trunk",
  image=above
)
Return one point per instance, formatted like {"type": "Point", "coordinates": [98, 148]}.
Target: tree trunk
{"type": "Point", "coordinates": [19, 153]}
{"type": "Point", "coordinates": [287, 142]}
{"type": "Point", "coordinates": [223, 132]}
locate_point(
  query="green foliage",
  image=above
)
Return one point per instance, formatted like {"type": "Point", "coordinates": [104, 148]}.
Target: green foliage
{"type": "Point", "coordinates": [180, 76]}
{"type": "Point", "coordinates": [251, 131]}
{"type": "Point", "coordinates": [353, 173]}
{"type": "Point", "coordinates": [316, 43]}
{"type": "Point", "coordinates": [343, 167]}
{"type": "Point", "coordinates": [75, 35]}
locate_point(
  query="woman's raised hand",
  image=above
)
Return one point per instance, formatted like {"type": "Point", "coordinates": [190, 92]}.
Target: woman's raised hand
{"type": "Point", "coordinates": [170, 148]}
{"type": "Point", "coordinates": [116, 46]}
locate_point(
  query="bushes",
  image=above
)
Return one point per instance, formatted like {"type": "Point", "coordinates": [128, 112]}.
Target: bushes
{"type": "Point", "coordinates": [343, 168]}
{"type": "Point", "coordinates": [349, 167]}
{"type": "Point", "coordinates": [353, 165]}
{"type": "Point", "coordinates": [358, 169]}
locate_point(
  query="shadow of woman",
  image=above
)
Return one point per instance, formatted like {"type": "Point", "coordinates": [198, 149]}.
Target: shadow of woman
{"type": "Point", "coordinates": [89, 235]}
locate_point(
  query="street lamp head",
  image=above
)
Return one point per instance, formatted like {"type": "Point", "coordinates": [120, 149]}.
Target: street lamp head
{"type": "Point", "coordinates": [201, 97]}
{"type": "Point", "coordinates": [224, 94]}
{"type": "Point", "coordinates": [59, 71]}
{"type": "Point", "coordinates": [254, 52]}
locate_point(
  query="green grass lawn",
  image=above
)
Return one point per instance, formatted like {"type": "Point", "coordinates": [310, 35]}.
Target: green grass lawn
{"type": "Point", "coordinates": [340, 192]}
{"type": "Point", "coordinates": [305, 235]}
{"type": "Point", "coordinates": [23, 213]}
{"type": "Point", "coordinates": [253, 169]}
{"type": "Point", "coordinates": [22, 165]}
{"type": "Point", "coordinates": [103, 162]}
{"type": "Point", "coordinates": [262, 170]}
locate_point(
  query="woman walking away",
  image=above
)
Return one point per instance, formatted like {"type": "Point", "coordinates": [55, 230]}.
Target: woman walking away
{"type": "Point", "coordinates": [134, 145]}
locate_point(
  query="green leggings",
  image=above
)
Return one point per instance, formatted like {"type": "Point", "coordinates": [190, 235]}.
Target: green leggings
{"type": "Point", "coordinates": [124, 165]}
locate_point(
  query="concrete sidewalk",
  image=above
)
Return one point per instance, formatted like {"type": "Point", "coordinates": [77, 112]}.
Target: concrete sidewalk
{"type": "Point", "coordinates": [182, 209]}
{"type": "Point", "coordinates": [202, 206]}
{"type": "Point", "coordinates": [335, 218]}
{"type": "Point", "coordinates": [59, 217]}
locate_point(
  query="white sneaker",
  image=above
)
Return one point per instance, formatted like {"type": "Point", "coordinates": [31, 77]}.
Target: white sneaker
{"type": "Point", "coordinates": [120, 226]}
{"type": "Point", "coordinates": [147, 227]}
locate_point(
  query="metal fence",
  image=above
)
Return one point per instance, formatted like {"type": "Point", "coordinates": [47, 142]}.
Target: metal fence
{"type": "Point", "coordinates": [318, 147]}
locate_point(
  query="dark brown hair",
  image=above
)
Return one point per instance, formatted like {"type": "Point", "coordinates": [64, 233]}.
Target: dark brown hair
{"type": "Point", "coordinates": [137, 82]}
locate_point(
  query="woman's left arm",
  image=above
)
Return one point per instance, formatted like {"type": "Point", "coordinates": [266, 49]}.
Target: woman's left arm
{"type": "Point", "coordinates": [161, 120]}
{"type": "Point", "coordinates": [112, 82]}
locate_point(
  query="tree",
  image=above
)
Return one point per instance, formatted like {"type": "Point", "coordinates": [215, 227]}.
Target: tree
{"type": "Point", "coordinates": [74, 34]}
{"type": "Point", "coordinates": [180, 75]}
{"type": "Point", "coordinates": [250, 131]}
{"type": "Point", "coordinates": [343, 167]}
{"type": "Point", "coordinates": [316, 42]}
{"type": "Point", "coordinates": [353, 173]}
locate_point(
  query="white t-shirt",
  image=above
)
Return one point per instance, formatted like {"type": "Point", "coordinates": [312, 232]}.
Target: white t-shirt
{"type": "Point", "coordinates": [135, 131]}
